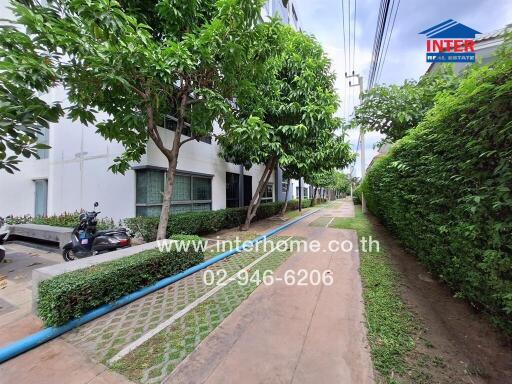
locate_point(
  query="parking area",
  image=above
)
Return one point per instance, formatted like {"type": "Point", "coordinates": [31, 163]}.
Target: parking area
{"type": "Point", "coordinates": [16, 319]}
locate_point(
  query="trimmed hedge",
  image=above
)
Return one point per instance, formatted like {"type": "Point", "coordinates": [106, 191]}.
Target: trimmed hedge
{"type": "Point", "coordinates": [445, 189]}
{"type": "Point", "coordinates": [356, 196]}
{"type": "Point", "coordinates": [72, 294]}
{"type": "Point", "coordinates": [66, 219]}
{"type": "Point", "coordinates": [202, 223]}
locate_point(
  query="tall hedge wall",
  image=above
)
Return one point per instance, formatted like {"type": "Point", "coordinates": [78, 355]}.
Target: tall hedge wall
{"type": "Point", "coordinates": [445, 189]}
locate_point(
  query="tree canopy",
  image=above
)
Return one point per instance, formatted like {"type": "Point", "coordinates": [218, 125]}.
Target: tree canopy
{"type": "Point", "coordinates": [394, 109]}
{"type": "Point", "coordinates": [295, 125]}
{"type": "Point", "coordinates": [139, 62]}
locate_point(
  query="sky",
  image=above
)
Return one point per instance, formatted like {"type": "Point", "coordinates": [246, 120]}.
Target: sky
{"type": "Point", "coordinates": [406, 53]}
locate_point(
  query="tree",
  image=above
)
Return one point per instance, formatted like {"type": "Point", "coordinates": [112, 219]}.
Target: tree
{"type": "Point", "coordinates": [23, 114]}
{"type": "Point", "coordinates": [292, 110]}
{"type": "Point", "coordinates": [394, 109]}
{"type": "Point", "coordinates": [330, 155]}
{"type": "Point", "coordinates": [140, 61]}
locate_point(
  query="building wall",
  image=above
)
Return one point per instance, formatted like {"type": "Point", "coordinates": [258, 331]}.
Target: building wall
{"type": "Point", "coordinates": [199, 157]}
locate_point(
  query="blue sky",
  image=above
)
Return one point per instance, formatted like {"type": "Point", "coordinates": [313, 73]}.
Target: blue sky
{"type": "Point", "coordinates": [406, 54]}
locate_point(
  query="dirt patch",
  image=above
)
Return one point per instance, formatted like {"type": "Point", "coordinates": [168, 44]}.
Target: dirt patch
{"type": "Point", "coordinates": [454, 343]}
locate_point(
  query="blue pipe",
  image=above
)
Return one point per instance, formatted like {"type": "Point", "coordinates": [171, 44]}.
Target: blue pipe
{"type": "Point", "coordinates": [31, 341]}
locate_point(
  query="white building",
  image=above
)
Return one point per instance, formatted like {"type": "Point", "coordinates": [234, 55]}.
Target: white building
{"type": "Point", "coordinates": [73, 174]}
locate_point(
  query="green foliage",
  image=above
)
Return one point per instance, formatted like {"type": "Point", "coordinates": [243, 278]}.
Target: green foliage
{"type": "Point", "coordinates": [66, 219]}
{"type": "Point", "coordinates": [395, 109]}
{"type": "Point", "coordinates": [390, 324]}
{"type": "Point", "coordinates": [25, 71]}
{"type": "Point", "coordinates": [72, 294]}
{"type": "Point", "coordinates": [356, 195]}
{"type": "Point", "coordinates": [445, 189]}
{"type": "Point", "coordinates": [202, 223]}
{"type": "Point", "coordinates": [290, 117]}
{"type": "Point", "coordinates": [135, 60]}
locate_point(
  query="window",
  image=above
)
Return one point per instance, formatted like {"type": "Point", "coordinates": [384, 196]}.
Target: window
{"type": "Point", "coordinates": [170, 123]}
{"type": "Point", "coordinates": [43, 138]}
{"type": "Point", "coordinates": [268, 194]}
{"type": "Point", "coordinates": [41, 197]}
{"type": "Point", "coordinates": [190, 192]}
{"type": "Point", "coordinates": [284, 186]}
{"type": "Point", "coordinates": [232, 190]}
{"type": "Point", "coordinates": [148, 194]}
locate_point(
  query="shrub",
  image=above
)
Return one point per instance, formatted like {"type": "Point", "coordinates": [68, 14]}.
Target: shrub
{"type": "Point", "coordinates": [72, 294]}
{"type": "Point", "coordinates": [201, 223]}
{"type": "Point", "coordinates": [356, 196]}
{"type": "Point", "coordinates": [445, 189]}
{"type": "Point", "coordinates": [66, 219]}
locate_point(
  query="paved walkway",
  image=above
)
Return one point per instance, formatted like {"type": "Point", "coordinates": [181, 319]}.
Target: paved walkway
{"type": "Point", "coordinates": [280, 333]}
{"type": "Point", "coordinates": [290, 333]}
{"type": "Point", "coordinates": [16, 319]}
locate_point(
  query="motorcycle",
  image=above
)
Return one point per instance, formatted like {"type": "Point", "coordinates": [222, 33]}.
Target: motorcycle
{"type": "Point", "coordinates": [87, 241]}
{"type": "Point", "coordinates": [4, 234]}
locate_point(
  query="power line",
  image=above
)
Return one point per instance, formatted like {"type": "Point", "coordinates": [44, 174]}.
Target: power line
{"type": "Point", "coordinates": [354, 37]}
{"type": "Point", "coordinates": [345, 59]}
{"type": "Point", "coordinates": [379, 72]}
{"type": "Point", "coordinates": [349, 44]}
{"type": "Point", "coordinates": [377, 43]}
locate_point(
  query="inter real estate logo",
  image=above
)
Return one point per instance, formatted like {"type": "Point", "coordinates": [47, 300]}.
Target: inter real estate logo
{"type": "Point", "coordinates": [450, 42]}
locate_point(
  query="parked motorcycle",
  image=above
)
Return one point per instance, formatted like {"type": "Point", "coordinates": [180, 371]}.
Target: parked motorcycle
{"type": "Point", "coordinates": [4, 234]}
{"type": "Point", "coordinates": [87, 241]}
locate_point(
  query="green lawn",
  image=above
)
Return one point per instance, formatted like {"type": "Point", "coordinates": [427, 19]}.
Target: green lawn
{"type": "Point", "coordinates": [389, 322]}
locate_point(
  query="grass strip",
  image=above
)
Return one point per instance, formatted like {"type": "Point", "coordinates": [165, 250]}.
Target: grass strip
{"type": "Point", "coordinates": [389, 322]}
{"type": "Point", "coordinates": [154, 360]}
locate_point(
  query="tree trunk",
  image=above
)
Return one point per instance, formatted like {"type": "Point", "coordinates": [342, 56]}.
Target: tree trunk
{"type": "Point", "coordinates": [166, 200]}
{"type": "Point", "coordinates": [256, 199]}
{"type": "Point", "coordinates": [285, 205]}
{"type": "Point", "coordinates": [172, 157]}
{"type": "Point", "coordinates": [315, 189]}
{"type": "Point", "coordinates": [300, 194]}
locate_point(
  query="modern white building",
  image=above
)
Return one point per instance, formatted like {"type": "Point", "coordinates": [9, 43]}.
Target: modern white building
{"type": "Point", "coordinates": [74, 173]}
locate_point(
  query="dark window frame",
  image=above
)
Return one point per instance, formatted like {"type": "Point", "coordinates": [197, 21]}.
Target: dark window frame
{"type": "Point", "coordinates": [265, 198]}
{"type": "Point", "coordinates": [174, 204]}
{"type": "Point", "coordinates": [186, 129]}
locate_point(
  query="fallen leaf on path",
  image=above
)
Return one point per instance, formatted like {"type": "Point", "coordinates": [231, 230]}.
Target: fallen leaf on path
{"type": "Point", "coordinates": [3, 281]}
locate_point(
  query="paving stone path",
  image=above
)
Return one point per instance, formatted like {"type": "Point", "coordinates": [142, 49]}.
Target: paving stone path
{"type": "Point", "coordinates": [271, 334]}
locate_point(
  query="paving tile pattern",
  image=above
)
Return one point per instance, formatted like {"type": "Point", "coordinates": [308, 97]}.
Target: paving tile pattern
{"type": "Point", "coordinates": [153, 361]}
{"type": "Point", "coordinates": [321, 221]}
{"type": "Point", "coordinates": [104, 337]}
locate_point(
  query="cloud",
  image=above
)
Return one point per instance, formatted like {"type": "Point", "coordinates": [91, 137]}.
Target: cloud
{"type": "Point", "coordinates": [406, 55]}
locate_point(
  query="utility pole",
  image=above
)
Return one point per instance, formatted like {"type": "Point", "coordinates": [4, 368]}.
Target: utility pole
{"type": "Point", "coordinates": [361, 132]}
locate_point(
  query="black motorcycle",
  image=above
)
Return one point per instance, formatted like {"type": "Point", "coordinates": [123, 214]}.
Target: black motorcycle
{"type": "Point", "coordinates": [87, 241]}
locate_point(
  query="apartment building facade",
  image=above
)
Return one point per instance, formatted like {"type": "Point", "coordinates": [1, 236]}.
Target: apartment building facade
{"type": "Point", "coordinates": [74, 173]}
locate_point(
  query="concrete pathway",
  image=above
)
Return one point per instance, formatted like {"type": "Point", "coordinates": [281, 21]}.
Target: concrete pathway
{"type": "Point", "coordinates": [16, 319]}
{"type": "Point", "coordinates": [291, 333]}
{"type": "Point", "coordinates": [281, 333]}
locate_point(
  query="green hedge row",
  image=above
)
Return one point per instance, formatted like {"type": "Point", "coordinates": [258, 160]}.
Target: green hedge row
{"type": "Point", "coordinates": [445, 189]}
{"type": "Point", "coordinates": [66, 219]}
{"type": "Point", "coordinates": [356, 195]}
{"type": "Point", "coordinates": [201, 223]}
{"type": "Point", "coordinates": [72, 294]}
